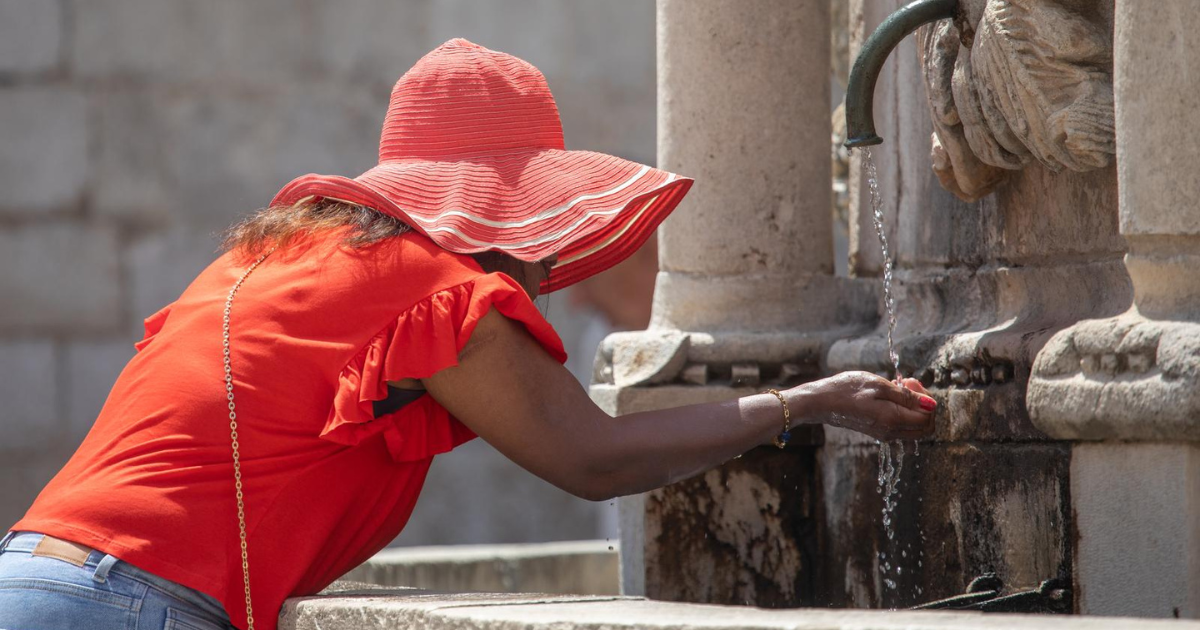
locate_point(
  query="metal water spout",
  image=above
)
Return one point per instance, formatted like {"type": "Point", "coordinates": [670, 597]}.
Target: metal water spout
{"type": "Point", "coordinates": [860, 91]}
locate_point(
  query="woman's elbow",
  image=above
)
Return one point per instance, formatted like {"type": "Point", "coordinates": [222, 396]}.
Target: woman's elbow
{"type": "Point", "coordinates": [594, 485]}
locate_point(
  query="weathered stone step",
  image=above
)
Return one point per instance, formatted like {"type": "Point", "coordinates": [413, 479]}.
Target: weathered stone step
{"type": "Point", "coordinates": [411, 608]}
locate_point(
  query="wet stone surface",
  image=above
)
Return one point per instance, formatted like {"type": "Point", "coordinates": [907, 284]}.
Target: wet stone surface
{"type": "Point", "coordinates": [964, 510]}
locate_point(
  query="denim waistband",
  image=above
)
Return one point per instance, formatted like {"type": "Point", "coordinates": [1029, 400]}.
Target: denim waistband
{"type": "Point", "coordinates": [108, 564]}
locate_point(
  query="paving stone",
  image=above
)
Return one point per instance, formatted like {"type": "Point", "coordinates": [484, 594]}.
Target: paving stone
{"type": "Point", "coordinates": [227, 41]}
{"type": "Point", "coordinates": [91, 369]}
{"type": "Point", "coordinates": [60, 277]}
{"type": "Point", "coordinates": [30, 35]}
{"type": "Point", "coordinates": [43, 157]}
{"type": "Point", "coordinates": [30, 419]}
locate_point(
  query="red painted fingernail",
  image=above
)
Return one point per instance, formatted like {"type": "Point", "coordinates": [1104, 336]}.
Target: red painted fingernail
{"type": "Point", "coordinates": [928, 404]}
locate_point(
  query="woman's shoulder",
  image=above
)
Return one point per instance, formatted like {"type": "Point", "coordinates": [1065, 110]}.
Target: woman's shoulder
{"type": "Point", "coordinates": [412, 258]}
{"type": "Point", "coordinates": [325, 271]}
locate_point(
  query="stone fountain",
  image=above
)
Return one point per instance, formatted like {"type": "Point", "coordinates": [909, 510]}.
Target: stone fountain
{"type": "Point", "coordinates": [1038, 175]}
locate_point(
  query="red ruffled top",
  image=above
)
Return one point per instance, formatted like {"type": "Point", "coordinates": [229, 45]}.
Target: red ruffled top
{"type": "Point", "coordinates": [317, 332]}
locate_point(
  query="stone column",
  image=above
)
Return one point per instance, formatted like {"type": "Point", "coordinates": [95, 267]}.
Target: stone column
{"type": "Point", "coordinates": [746, 297]}
{"type": "Point", "coordinates": [1128, 388]}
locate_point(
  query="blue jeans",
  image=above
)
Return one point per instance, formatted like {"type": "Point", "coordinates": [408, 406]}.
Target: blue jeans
{"type": "Point", "coordinates": [44, 593]}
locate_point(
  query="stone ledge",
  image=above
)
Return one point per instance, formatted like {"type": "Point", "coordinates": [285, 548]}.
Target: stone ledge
{"type": "Point", "coordinates": [586, 567]}
{"type": "Point", "coordinates": [410, 608]}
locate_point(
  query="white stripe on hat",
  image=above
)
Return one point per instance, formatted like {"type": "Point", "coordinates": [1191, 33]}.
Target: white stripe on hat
{"type": "Point", "coordinates": [545, 237]}
{"type": "Point", "coordinates": [612, 239]}
{"type": "Point", "coordinates": [545, 214]}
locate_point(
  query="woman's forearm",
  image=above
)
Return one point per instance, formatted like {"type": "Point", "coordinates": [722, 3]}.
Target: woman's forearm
{"type": "Point", "coordinates": [642, 451]}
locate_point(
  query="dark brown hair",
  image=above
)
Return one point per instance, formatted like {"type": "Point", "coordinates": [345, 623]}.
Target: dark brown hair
{"type": "Point", "coordinates": [280, 226]}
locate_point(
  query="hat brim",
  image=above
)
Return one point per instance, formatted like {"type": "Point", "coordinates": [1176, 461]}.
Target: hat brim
{"type": "Point", "coordinates": [592, 209]}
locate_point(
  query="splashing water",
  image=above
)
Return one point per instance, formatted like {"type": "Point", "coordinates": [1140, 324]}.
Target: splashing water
{"type": "Point", "coordinates": [891, 463]}
{"type": "Point", "coordinates": [891, 455]}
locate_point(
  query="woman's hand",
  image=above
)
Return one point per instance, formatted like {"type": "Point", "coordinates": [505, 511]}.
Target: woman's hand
{"type": "Point", "coordinates": [869, 404]}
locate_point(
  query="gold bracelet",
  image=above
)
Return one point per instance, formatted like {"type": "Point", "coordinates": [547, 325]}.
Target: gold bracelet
{"type": "Point", "coordinates": [781, 440]}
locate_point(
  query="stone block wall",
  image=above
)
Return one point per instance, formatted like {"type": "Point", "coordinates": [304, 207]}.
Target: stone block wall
{"type": "Point", "coordinates": [133, 131]}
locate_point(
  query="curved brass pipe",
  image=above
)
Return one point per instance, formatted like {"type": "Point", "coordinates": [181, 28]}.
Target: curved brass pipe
{"type": "Point", "coordinates": [860, 90]}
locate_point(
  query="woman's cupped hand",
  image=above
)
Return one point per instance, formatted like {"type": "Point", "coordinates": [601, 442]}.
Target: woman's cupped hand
{"type": "Point", "coordinates": [873, 405]}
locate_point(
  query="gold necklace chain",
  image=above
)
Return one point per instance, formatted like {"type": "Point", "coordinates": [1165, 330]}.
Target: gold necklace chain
{"type": "Point", "coordinates": [233, 434]}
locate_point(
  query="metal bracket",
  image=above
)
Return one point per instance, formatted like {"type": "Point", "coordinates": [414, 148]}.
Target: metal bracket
{"type": "Point", "coordinates": [986, 594]}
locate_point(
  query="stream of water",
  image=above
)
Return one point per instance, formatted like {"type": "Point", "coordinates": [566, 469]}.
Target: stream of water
{"type": "Point", "coordinates": [891, 454]}
{"type": "Point", "coordinates": [877, 215]}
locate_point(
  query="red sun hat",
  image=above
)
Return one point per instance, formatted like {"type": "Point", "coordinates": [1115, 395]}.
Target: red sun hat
{"type": "Point", "coordinates": [472, 156]}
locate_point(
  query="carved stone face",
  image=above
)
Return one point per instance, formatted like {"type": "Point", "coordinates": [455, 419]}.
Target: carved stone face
{"type": "Point", "coordinates": [1035, 83]}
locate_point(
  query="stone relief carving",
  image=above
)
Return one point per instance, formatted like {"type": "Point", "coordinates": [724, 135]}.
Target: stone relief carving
{"type": "Point", "coordinates": [1032, 80]}
{"type": "Point", "coordinates": [1108, 379]}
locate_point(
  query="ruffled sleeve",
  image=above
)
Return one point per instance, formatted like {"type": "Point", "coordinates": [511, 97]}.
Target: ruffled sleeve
{"type": "Point", "coordinates": [422, 341]}
{"type": "Point", "coordinates": [152, 325]}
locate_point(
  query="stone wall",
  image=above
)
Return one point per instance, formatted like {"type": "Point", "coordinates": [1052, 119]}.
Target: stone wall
{"type": "Point", "coordinates": [131, 131]}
